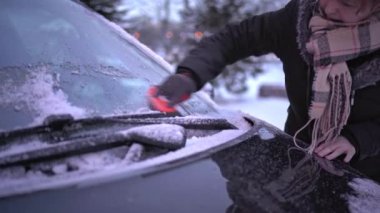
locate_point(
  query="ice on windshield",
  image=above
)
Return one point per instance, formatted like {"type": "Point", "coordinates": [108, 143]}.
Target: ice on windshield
{"type": "Point", "coordinates": [39, 94]}
{"type": "Point", "coordinates": [141, 46]}
{"type": "Point", "coordinates": [61, 26]}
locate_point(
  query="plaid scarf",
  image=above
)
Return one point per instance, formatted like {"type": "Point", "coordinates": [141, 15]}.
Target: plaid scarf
{"type": "Point", "coordinates": [332, 44]}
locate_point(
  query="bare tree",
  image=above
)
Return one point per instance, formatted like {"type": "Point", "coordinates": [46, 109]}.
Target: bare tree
{"type": "Point", "coordinates": [210, 16]}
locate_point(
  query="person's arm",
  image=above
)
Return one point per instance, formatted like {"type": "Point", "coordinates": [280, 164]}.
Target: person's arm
{"type": "Point", "coordinates": [256, 36]}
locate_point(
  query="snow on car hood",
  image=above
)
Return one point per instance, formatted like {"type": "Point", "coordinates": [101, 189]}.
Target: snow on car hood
{"type": "Point", "coordinates": [366, 197]}
{"type": "Point", "coordinates": [104, 167]}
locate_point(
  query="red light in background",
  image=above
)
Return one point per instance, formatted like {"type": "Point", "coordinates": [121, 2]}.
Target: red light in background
{"type": "Point", "coordinates": [137, 35]}
{"type": "Point", "coordinates": [169, 35]}
{"type": "Point", "coordinates": [198, 35]}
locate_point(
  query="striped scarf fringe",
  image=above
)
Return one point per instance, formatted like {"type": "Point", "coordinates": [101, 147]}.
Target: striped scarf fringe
{"type": "Point", "coordinates": [332, 44]}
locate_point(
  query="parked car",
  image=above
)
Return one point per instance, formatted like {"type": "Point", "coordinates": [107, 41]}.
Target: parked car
{"type": "Point", "coordinates": [77, 133]}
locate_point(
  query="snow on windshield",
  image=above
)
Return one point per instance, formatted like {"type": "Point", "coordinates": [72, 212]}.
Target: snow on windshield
{"type": "Point", "coordinates": [173, 135]}
{"type": "Point", "coordinates": [40, 94]}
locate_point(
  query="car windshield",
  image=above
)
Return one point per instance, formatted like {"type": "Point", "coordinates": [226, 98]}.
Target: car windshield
{"type": "Point", "coordinates": [59, 57]}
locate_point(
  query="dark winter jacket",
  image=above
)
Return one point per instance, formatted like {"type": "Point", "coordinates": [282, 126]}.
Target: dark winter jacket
{"type": "Point", "coordinates": [284, 33]}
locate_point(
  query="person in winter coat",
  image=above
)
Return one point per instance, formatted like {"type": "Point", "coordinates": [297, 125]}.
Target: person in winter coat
{"type": "Point", "coordinates": [330, 50]}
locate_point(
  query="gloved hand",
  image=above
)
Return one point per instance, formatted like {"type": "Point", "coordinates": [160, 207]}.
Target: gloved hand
{"type": "Point", "coordinates": [176, 88]}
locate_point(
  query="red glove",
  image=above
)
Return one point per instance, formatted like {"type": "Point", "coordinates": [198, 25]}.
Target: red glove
{"type": "Point", "coordinates": [174, 90]}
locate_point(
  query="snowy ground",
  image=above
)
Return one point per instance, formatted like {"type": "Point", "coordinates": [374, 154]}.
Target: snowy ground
{"type": "Point", "coordinates": [271, 110]}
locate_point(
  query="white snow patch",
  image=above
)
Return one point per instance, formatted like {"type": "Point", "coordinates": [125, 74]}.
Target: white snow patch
{"type": "Point", "coordinates": [236, 118]}
{"type": "Point", "coordinates": [92, 161]}
{"type": "Point", "coordinates": [92, 173]}
{"type": "Point", "coordinates": [125, 112]}
{"type": "Point", "coordinates": [60, 168]}
{"type": "Point", "coordinates": [134, 154]}
{"type": "Point", "coordinates": [168, 133]}
{"type": "Point", "coordinates": [367, 198]}
{"type": "Point", "coordinates": [19, 148]}
{"type": "Point", "coordinates": [196, 143]}
{"type": "Point", "coordinates": [265, 134]}
{"type": "Point", "coordinates": [39, 94]}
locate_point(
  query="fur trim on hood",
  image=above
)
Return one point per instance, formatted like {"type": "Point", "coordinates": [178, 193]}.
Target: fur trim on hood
{"type": "Point", "coordinates": [305, 12]}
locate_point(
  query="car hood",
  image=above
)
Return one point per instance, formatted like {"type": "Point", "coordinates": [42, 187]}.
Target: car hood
{"type": "Point", "coordinates": [265, 173]}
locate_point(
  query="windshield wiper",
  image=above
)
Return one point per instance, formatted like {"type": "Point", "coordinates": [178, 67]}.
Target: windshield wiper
{"type": "Point", "coordinates": [60, 127]}
{"type": "Point", "coordinates": [66, 122]}
{"type": "Point", "coordinates": [167, 136]}
{"type": "Point", "coordinates": [62, 135]}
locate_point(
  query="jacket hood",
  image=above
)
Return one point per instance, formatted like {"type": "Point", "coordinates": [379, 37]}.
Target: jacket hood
{"type": "Point", "coordinates": [305, 12]}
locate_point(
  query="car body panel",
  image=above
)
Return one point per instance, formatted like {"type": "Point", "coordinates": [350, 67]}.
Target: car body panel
{"type": "Point", "coordinates": [254, 168]}
{"type": "Point", "coordinates": [264, 173]}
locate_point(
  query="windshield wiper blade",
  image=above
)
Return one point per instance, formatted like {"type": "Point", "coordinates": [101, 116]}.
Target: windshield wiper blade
{"type": "Point", "coordinates": [166, 136]}
{"type": "Point", "coordinates": [55, 128]}
{"type": "Point", "coordinates": [62, 122]}
{"type": "Point", "coordinates": [55, 133]}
